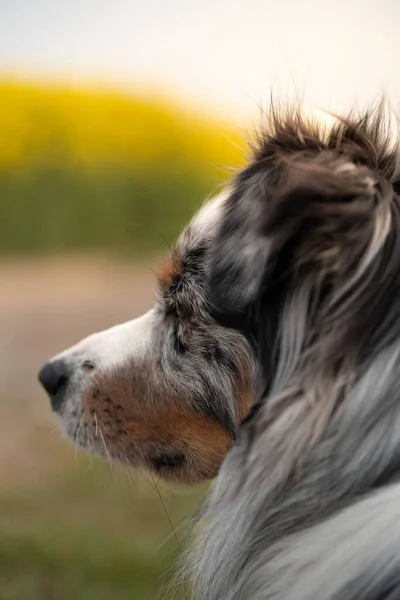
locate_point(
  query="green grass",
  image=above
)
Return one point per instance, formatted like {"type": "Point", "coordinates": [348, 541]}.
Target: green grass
{"type": "Point", "coordinates": [89, 533]}
{"type": "Point", "coordinates": [56, 209]}
{"type": "Point", "coordinates": [56, 564]}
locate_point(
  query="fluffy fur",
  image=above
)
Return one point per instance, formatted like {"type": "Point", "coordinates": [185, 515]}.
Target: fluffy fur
{"type": "Point", "coordinates": [278, 330]}
{"type": "Point", "coordinates": [306, 503]}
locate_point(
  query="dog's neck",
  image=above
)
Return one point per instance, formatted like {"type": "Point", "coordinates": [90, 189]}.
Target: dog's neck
{"type": "Point", "coordinates": [278, 496]}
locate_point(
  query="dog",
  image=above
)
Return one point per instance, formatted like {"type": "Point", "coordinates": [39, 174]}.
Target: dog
{"type": "Point", "coordinates": [270, 362]}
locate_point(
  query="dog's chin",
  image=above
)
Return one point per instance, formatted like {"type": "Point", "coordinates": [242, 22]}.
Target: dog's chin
{"type": "Point", "coordinates": [87, 434]}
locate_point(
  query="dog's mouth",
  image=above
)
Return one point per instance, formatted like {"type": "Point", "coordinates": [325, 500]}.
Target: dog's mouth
{"type": "Point", "coordinates": [173, 442]}
{"type": "Point", "coordinates": [172, 458]}
{"type": "Point", "coordinates": [90, 433]}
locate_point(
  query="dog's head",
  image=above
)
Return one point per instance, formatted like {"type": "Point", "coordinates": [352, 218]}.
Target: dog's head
{"type": "Point", "coordinates": [167, 390]}
{"type": "Point", "coordinates": [279, 280]}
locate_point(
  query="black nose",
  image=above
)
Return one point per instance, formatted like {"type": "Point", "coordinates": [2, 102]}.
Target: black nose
{"type": "Point", "coordinates": [54, 377]}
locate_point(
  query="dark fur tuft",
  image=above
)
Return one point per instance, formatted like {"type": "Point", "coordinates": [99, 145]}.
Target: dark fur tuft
{"type": "Point", "coordinates": [370, 138]}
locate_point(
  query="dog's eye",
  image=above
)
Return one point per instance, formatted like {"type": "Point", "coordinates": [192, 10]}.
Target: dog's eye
{"type": "Point", "coordinates": [169, 461]}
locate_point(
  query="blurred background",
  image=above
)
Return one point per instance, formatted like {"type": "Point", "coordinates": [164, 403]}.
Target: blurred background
{"type": "Point", "coordinates": [117, 119]}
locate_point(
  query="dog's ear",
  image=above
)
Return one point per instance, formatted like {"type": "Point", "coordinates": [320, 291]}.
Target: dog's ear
{"type": "Point", "coordinates": [325, 214]}
{"type": "Point", "coordinates": [241, 248]}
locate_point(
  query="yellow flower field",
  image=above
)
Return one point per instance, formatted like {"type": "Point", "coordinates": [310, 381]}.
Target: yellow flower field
{"type": "Point", "coordinates": [86, 169]}
{"type": "Point", "coordinates": [97, 127]}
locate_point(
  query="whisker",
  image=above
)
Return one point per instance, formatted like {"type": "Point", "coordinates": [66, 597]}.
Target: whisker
{"type": "Point", "coordinates": [90, 448]}
{"type": "Point", "coordinates": [97, 427]}
{"type": "Point", "coordinates": [173, 532]}
{"type": "Point", "coordinates": [143, 474]}
{"type": "Point", "coordinates": [156, 489]}
{"type": "Point", "coordinates": [167, 244]}
{"type": "Point", "coordinates": [181, 525]}
{"type": "Point", "coordinates": [137, 467]}
{"type": "Point", "coordinates": [130, 473]}
{"type": "Point", "coordinates": [108, 455]}
{"type": "Point", "coordinates": [78, 431]}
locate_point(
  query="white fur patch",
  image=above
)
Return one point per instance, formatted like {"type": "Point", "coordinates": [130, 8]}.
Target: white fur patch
{"type": "Point", "coordinates": [210, 214]}
{"type": "Point", "coordinates": [115, 346]}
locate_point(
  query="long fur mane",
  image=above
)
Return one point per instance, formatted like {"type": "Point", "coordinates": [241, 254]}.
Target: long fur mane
{"type": "Point", "coordinates": [307, 504]}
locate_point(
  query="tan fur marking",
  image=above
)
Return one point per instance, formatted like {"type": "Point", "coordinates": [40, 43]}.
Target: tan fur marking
{"type": "Point", "coordinates": [138, 422]}
{"type": "Point", "coordinates": [170, 269]}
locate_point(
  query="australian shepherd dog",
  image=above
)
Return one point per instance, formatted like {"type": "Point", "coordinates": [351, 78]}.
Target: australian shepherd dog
{"type": "Point", "coordinates": [270, 362]}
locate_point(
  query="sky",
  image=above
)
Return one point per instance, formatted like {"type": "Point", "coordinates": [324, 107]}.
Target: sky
{"type": "Point", "coordinates": [223, 55]}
